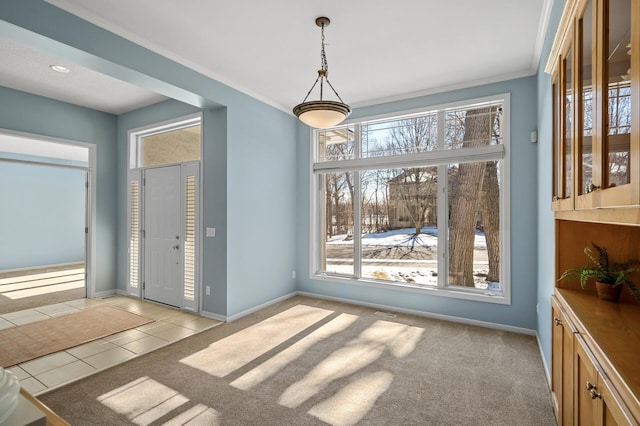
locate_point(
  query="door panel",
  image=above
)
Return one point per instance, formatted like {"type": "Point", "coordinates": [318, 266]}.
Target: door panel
{"type": "Point", "coordinates": [163, 236]}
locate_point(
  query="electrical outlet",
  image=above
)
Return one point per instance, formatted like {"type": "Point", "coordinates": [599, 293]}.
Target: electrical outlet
{"type": "Point", "coordinates": [207, 290]}
{"type": "Point", "coordinates": [293, 274]}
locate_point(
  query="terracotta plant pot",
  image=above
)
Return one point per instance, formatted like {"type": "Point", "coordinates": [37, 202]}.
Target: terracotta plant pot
{"type": "Point", "coordinates": [608, 292]}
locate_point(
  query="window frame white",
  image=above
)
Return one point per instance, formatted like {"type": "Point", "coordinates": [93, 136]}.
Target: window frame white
{"type": "Point", "coordinates": [431, 158]}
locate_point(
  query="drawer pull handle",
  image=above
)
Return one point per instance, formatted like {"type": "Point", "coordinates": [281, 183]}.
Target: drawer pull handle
{"type": "Point", "coordinates": [593, 390]}
{"type": "Point", "coordinates": [556, 321]}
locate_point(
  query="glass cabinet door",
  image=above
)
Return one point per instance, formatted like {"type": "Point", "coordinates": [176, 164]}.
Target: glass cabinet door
{"type": "Point", "coordinates": [563, 132]}
{"type": "Point", "coordinates": [617, 100]}
{"type": "Point", "coordinates": [556, 141]}
{"type": "Point", "coordinates": [585, 102]}
{"type": "Point", "coordinates": [567, 125]}
{"type": "Point", "coordinates": [596, 107]}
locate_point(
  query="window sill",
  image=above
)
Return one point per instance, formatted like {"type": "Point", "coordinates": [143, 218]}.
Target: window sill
{"type": "Point", "coordinates": [456, 293]}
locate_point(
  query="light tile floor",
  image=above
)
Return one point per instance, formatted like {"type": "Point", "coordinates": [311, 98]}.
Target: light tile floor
{"type": "Point", "coordinates": [57, 369]}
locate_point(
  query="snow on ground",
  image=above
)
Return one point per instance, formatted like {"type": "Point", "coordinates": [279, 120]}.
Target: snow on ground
{"type": "Point", "coordinates": [404, 238]}
{"type": "Point", "coordinates": [426, 275]}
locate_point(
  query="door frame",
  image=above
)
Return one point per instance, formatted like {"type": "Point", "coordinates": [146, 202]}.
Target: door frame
{"type": "Point", "coordinates": [90, 194]}
{"type": "Point", "coordinates": [136, 172]}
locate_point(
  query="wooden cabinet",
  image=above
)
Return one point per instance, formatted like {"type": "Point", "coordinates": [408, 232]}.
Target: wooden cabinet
{"type": "Point", "coordinates": [595, 64]}
{"type": "Point", "coordinates": [562, 355]}
{"type": "Point", "coordinates": [595, 377]}
{"type": "Point", "coordinates": [595, 68]}
{"type": "Point", "coordinates": [596, 401]}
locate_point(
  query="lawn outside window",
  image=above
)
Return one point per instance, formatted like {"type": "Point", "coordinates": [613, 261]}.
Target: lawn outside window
{"type": "Point", "coordinates": [416, 202]}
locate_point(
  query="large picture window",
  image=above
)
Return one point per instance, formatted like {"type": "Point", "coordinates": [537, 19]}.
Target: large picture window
{"type": "Point", "coordinates": [417, 201]}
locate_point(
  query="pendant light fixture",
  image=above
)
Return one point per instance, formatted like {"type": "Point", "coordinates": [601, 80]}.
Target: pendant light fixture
{"type": "Point", "coordinates": [322, 113]}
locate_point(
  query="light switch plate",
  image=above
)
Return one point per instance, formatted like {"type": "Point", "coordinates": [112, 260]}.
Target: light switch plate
{"type": "Point", "coordinates": [211, 232]}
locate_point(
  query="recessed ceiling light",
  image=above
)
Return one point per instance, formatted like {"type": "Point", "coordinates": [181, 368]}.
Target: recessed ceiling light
{"type": "Point", "coordinates": [60, 68]}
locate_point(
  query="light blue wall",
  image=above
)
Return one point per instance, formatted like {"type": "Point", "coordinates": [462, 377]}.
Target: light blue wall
{"type": "Point", "coordinates": [249, 155]}
{"type": "Point", "coordinates": [28, 113]}
{"type": "Point", "coordinates": [546, 232]}
{"type": "Point", "coordinates": [214, 205]}
{"type": "Point", "coordinates": [261, 185]}
{"type": "Point", "coordinates": [42, 218]}
{"type": "Point", "coordinates": [523, 179]}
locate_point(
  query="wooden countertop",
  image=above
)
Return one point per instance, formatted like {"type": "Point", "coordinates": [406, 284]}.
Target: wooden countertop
{"type": "Point", "coordinates": [52, 418]}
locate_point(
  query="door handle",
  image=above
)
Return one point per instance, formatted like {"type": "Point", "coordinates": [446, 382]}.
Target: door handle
{"type": "Point", "coordinates": [176, 247]}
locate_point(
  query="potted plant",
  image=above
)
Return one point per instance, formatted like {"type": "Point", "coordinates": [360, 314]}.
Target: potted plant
{"type": "Point", "coordinates": [609, 276]}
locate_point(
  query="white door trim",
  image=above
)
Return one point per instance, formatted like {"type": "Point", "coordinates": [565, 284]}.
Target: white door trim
{"type": "Point", "coordinates": [133, 154]}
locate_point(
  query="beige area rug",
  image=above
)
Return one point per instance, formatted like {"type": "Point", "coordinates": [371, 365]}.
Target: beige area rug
{"type": "Point", "coordinates": [29, 341]}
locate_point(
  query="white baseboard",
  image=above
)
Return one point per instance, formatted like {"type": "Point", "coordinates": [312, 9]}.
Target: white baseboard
{"type": "Point", "coordinates": [239, 315]}
{"type": "Point", "coordinates": [544, 362]}
{"type": "Point", "coordinates": [211, 315]}
{"type": "Point", "coordinates": [105, 293]}
{"type": "Point", "coordinates": [467, 321]}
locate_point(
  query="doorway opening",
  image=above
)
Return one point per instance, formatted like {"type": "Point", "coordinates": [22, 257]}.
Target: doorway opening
{"type": "Point", "coordinates": [164, 212]}
{"type": "Point", "coordinates": [47, 221]}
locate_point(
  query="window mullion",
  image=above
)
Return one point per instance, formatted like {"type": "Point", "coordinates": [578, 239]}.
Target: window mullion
{"type": "Point", "coordinates": [357, 208]}
{"type": "Point", "coordinates": [422, 159]}
{"type": "Point", "coordinates": [442, 209]}
{"type": "Point", "coordinates": [357, 226]}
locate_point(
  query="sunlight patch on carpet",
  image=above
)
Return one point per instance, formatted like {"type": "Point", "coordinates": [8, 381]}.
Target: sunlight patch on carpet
{"type": "Point", "coordinates": [276, 363]}
{"type": "Point", "coordinates": [198, 415]}
{"type": "Point", "coordinates": [239, 349]}
{"type": "Point", "coordinates": [144, 401]}
{"type": "Point", "coordinates": [352, 357]}
{"type": "Point", "coordinates": [351, 403]}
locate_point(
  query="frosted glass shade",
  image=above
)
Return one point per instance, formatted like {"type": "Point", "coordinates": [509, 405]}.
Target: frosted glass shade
{"type": "Point", "coordinates": [322, 114]}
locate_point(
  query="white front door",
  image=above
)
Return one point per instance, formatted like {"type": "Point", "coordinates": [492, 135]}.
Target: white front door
{"type": "Point", "coordinates": [163, 242]}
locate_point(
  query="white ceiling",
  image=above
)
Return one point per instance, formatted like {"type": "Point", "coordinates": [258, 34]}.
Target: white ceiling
{"type": "Point", "coordinates": [25, 69]}
{"type": "Point", "coordinates": [377, 51]}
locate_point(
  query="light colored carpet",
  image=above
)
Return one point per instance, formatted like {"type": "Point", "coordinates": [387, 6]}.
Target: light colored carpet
{"type": "Point", "coordinates": [312, 362]}
{"type": "Point", "coordinates": [33, 340]}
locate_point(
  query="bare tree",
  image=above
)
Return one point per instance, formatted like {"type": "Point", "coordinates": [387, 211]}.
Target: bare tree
{"type": "Point", "coordinates": [489, 207]}
{"type": "Point", "coordinates": [469, 197]}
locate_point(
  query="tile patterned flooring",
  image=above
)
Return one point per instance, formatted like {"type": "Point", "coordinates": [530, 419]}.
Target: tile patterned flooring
{"type": "Point", "coordinates": [51, 371]}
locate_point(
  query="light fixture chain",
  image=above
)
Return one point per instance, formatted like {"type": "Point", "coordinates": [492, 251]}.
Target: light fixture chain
{"type": "Point", "coordinates": [323, 56]}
